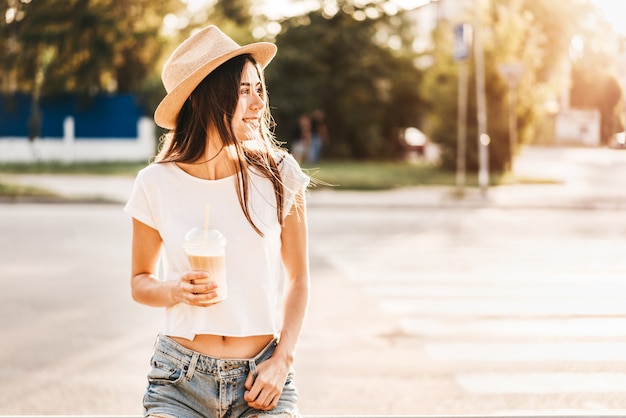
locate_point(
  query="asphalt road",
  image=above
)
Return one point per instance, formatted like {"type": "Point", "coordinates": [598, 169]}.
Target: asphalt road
{"type": "Point", "coordinates": [513, 304]}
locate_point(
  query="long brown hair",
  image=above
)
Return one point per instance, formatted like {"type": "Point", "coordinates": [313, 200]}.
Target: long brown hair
{"type": "Point", "coordinates": [211, 107]}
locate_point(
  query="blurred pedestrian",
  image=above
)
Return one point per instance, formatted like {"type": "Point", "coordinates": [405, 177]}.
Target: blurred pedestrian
{"type": "Point", "coordinates": [301, 138]}
{"type": "Point", "coordinates": [231, 358]}
{"type": "Point", "coordinates": [319, 136]}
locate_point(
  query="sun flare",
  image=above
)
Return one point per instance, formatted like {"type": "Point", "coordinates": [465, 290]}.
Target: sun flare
{"type": "Point", "coordinates": [614, 11]}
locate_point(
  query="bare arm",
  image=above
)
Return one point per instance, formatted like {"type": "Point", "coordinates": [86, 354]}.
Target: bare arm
{"type": "Point", "coordinates": [264, 391]}
{"type": "Point", "coordinates": [145, 287]}
{"type": "Point", "coordinates": [295, 254]}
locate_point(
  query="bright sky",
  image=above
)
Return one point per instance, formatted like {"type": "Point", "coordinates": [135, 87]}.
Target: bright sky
{"type": "Point", "coordinates": [615, 12]}
{"type": "Point", "coordinates": [273, 8]}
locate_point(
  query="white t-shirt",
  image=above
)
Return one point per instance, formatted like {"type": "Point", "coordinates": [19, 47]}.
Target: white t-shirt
{"type": "Point", "coordinates": [171, 201]}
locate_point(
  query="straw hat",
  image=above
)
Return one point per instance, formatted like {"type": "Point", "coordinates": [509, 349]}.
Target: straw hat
{"type": "Point", "coordinates": [193, 60]}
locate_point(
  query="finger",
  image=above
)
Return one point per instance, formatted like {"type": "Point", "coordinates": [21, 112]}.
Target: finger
{"type": "Point", "coordinates": [252, 395]}
{"type": "Point", "coordinates": [197, 294]}
{"type": "Point", "coordinates": [203, 299]}
{"type": "Point", "coordinates": [203, 288]}
{"type": "Point", "coordinates": [199, 277]}
{"type": "Point", "coordinates": [190, 276]}
{"type": "Point", "coordinates": [202, 295]}
{"type": "Point", "coordinates": [273, 403]}
{"type": "Point", "coordinates": [269, 403]}
{"type": "Point", "coordinates": [264, 397]}
{"type": "Point", "coordinates": [249, 381]}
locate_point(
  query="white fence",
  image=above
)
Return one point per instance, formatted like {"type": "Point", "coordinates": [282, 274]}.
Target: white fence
{"type": "Point", "coordinates": [70, 149]}
{"type": "Point", "coordinates": [578, 127]}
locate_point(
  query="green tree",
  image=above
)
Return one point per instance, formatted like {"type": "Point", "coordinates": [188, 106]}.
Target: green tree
{"type": "Point", "coordinates": [343, 65]}
{"type": "Point", "coordinates": [594, 76]}
{"type": "Point", "coordinates": [233, 17]}
{"type": "Point", "coordinates": [535, 33]}
{"type": "Point", "coordinates": [97, 45]}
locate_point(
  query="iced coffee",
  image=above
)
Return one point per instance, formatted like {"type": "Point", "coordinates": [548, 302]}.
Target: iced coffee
{"type": "Point", "coordinates": [206, 250]}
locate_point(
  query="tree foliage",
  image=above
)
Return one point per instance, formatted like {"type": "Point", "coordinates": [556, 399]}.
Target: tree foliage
{"type": "Point", "coordinates": [351, 58]}
{"type": "Point", "coordinates": [594, 78]}
{"type": "Point", "coordinates": [345, 67]}
{"type": "Point", "coordinates": [536, 33]}
{"type": "Point", "coordinates": [85, 46]}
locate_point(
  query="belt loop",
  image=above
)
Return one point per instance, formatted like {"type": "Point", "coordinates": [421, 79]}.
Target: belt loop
{"type": "Point", "coordinates": [192, 366]}
{"type": "Point", "coordinates": [253, 367]}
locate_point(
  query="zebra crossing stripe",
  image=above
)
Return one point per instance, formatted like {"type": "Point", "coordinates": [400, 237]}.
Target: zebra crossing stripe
{"type": "Point", "coordinates": [548, 327]}
{"type": "Point", "coordinates": [528, 352]}
{"type": "Point", "coordinates": [542, 383]}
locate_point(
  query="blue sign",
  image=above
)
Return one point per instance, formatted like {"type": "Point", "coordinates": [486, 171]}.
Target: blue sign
{"type": "Point", "coordinates": [103, 116]}
{"type": "Point", "coordinates": [462, 41]}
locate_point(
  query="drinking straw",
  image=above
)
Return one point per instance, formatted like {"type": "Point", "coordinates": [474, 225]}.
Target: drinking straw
{"type": "Point", "coordinates": [207, 211]}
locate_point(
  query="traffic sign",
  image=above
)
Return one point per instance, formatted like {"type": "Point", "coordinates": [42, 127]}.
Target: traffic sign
{"type": "Point", "coordinates": [462, 41]}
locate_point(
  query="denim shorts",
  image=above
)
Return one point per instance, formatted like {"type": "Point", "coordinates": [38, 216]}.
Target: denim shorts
{"type": "Point", "coordinates": [183, 383]}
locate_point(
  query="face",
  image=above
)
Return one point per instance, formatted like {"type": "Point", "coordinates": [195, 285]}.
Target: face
{"type": "Point", "coordinates": [246, 123]}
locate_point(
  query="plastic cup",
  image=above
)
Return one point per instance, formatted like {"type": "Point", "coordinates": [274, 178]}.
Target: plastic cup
{"type": "Point", "coordinates": [206, 250]}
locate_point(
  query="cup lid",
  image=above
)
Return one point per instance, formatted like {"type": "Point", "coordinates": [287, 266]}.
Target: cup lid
{"type": "Point", "coordinates": [199, 236]}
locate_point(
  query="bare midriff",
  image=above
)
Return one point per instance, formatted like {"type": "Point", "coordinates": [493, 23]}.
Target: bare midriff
{"type": "Point", "coordinates": [226, 347]}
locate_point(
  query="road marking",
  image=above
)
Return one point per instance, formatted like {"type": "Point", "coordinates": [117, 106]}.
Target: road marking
{"type": "Point", "coordinates": [542, 383]}
{"type": "Point", "coordinates": [528, 352]}
{"type": "Point", "coordinates": [362, 269]}
{"type": "Point", "coordinates": [501, 290]}
{"type": "Point", "coordinates": [588, 409]}
{"type": "Point", "coordinates": [547, 327]}
{"type": "Point", "coordinates": [503, 308]}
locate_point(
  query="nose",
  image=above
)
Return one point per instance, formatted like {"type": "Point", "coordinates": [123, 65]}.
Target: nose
{"type": "Point", "coordinates": [257, 101]}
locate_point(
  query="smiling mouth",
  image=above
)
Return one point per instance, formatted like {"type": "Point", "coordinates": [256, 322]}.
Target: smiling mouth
{"type": "Point", "coordinates": [252, 123]}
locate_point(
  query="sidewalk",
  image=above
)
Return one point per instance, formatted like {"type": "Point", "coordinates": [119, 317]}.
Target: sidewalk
{"type": "Point", "coordinates": [339, 301]}
{"type": "Point", "coordinates": [117, 189]}
{"type": "Point", "coordinates": [571, 178]}
{"type": "Point", "coordinates": [88, 188]}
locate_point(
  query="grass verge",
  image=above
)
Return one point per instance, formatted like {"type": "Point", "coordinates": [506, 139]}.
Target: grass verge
{"type": "Point", "coordinates": [350, 175]}
{"type": "Point", "coordinates": [18, 190]}
{"type": "Point", "coordinates": [95, 168]}
{"type": "Point", "coordinates": [340, 175]}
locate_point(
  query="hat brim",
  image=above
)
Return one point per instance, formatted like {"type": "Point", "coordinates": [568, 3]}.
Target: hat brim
{"type": "Point", "coordinates": [167, 111]}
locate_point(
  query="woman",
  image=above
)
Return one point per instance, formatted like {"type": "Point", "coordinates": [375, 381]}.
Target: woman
{"type": "Point", "coordinates": [230, 358]}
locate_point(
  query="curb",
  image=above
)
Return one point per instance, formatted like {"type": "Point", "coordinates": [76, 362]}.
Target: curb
{"type": "Point", "coordinates": [103, 190]}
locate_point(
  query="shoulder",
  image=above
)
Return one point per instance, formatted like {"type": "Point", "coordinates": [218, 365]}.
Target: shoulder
{"type": "Point", "coordinates": [156, 171]}
{"type": "Point", "coordinates": [287, 164]}
{"type": "Point", "coordinates": [290, 171]}
{"type": "Point", "coordinates": [285, 161]}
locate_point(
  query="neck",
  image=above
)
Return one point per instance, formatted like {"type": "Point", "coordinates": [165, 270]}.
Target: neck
{"type": "Point", "coordinates": [216, 163]}
{"type": "Point", "coordinates": [211, 154]}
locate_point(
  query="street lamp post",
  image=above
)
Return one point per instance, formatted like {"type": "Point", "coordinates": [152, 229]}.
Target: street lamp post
{"type": "Point", "coordinates": [512, 73]}
{"type": "Point", "coordinates": [481, 102]}
{"type": "Point", "coordinates": [462, 51]}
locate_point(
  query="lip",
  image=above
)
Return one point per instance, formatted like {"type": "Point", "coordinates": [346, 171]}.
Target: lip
{"type": "Point", "coordinates": [252, 122]}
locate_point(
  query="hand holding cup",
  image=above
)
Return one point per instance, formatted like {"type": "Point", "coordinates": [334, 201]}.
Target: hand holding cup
{"type": "Point", "coordinates": [205, 249]}
{"type": "Point", "coordinates": [198, 289]}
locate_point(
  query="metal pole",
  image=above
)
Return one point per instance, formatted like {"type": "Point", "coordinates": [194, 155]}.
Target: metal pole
{"type": "Point", "coordinates": [483, 138]}
{"type": "Point", "coordinates": [512, 123]}
{"type": "Point", "coordinates": [512, 73]}
{"type": "Point", "coordinates": [463, 34]}
{"type": "Point", "coordinates": [462, 128]}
